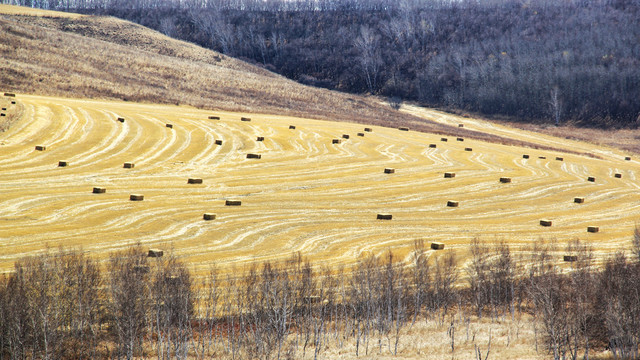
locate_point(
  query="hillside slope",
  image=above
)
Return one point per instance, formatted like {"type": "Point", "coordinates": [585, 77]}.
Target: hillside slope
{"type": "Point", "coordinates": [306, 193]}
{"type": "Point", "coordinates": [70, 55]}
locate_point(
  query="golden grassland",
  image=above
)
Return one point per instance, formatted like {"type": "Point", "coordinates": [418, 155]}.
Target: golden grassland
{"type": "Point", "coordinates": [304, 193]}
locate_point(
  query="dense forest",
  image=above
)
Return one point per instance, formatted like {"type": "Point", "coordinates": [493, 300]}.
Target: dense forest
{"type": "Point", "coordinates": [572, 62]}
{"type": "Point", "coordinates": [65, 304]}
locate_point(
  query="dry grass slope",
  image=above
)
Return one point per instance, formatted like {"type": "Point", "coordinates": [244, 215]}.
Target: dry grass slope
{"type": "Point", "coordinates": [304, 195]}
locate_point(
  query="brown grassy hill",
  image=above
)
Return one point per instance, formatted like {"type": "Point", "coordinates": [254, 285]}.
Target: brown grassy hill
{"type": "Point", "coordinates": [71, 55]}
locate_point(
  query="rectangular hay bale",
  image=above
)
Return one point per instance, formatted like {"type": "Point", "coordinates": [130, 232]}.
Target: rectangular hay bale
{"type": "Point", "coordinates": [214, 117]}
{"type": "Point", "coordinates": [170, 126]}
{"type": "Point", "coordinates": [245, 119]}
{"type": "Point", "coordinates": [260, 138]}
{"type": "Point", "coordinates": [433, 146]}
{"type": "Point", "coordinates": [468, 149]}
{"type": "Point", "coordinates": [591, 179]}
{"type": "Point", "coordinates": [452, 203]}
{"type": "Point", "coordinates": [389, 170]}
{"type": "Point", "coordinates": [459, 139]}
{"type": "Point", "coordinates": [292, 127]}
{"type": "Point", "coordinates": [360, 134]}
{"type": "Point", "coordinates": [578, 200]}
{"type": "Point", "coordinates": [254, 156]}
{"type": "Point", "coordinates": [129, 165]}
{"type": "Point", "coordinates": [570, 258]}
{"type": "Point", "coordinates": [209, 216]}
{"type": "Point", "coordinates": [593, 229]}
{"type": "Point", "coordinates": [41, 147]}
{"type": "Point", "coordinates": [99, 190]}
{"type": "Point", "coordinates": [368, 130]}
{"type": "Point", "coordinates": [63, 163]}
{"type": "Point", "coordinates": [194, 181]}
{"type": "Point", "coordinates": [335, 141]}
{"type": "Point", "coordinates": [444, 139]}
{"type": "Point", "coordinates": [628, 158]}
{"type": "Point", "coordinates": [525, 156]}
{"type": "Point", "coordinates": [449, 175]}
{"type": "Point", "coordinates": [121, 119]}
{"type": "Point", "coordinates": [437, 246]}
{"type": "Point", "coordinates": [559, 158]}
{"type": "Point", "coordinates": [9, 94]}
{"type": "Point", "coordinates": [384, 217]}
{"type": "Point", "coordinates": [545, 222]}
{"type": "Point", "coordinates": [402, 128]}
{"type": "Point", "coordinates": [218, 142]}
{"type": "Point", "coordinates": [618, 175]}
{"type": "Point", "coordinates": [136, 197]}
{"type": "Point", "coordinates": [505, 180]}
{"type": "Point", "coordinates": [233, 203]}
{"type": "Point", "coordinates": [345, 136]}
{"type": "Point", "coordinates": [155, 253]}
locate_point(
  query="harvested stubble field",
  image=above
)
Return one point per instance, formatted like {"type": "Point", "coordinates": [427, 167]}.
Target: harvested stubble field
{"type": "Point", "coordinates": [304, 194]}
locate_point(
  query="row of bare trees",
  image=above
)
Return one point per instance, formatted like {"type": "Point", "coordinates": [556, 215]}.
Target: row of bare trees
{"type": "Point", "coordinates": [65, 304]}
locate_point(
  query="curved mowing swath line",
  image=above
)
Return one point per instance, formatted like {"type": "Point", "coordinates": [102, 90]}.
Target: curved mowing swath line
{"type": "Point", "coordinates": [305, 194]}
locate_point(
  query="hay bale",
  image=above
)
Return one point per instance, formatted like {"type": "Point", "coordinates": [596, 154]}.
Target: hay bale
{"type": "Point", "coordinates": [468, 149]}
{"type": "Point", "coordinates": [559, 158]}
{"type": "Point", "coordinates": [245, 119]}
{"type": "Point", "coordinates": [460, 125]}
{"type": "Point", "coordinates": [578, 200]}
{"type": "Point", "coordinates": [233, 203]}
{"type": "Point", "coordinates": [3, 114]}
{"type": "Point", "coordinates": [505, 180]}
{"type": "Point", "coordinates": [209, 216]}
{"type": "Point", "coordinates": [459, 139]}
{"type": "Point", "coordinates": [260, 138]}
{"type": "Point", "coordinates": [433, 146]}
{"type": "Point", "coordinates": [449, 175]}
{"type": "Point", "coordinates": [170, 126]}
{"type": "Point", "coordinates": [63, 163]}
{"type": "Point", "coordinates": [218, 142]}
{"type": "Point", "coordinates": [292, 127]}
{"type": "Point", "coordinates": [214, 117]}
{"type": "Point", "coordinates": [254, 156]}
{"type": "Point", "coordinates": [452, 203]}
{"type": "Point", "coordinates": [525, 156]}
{"type": "Point", "coordinates": [368, 130]}
{"type": "Point", "coordinates": [4, 109]}
{"type": "Point", "coordinates": [335, 141]}
{"type": "Point", "coordinates": [360, 134]}
{"type": "Point", "coordinates": [194, 181]}
{"type": "Point", "coordinates": [591, 179]}
{"type": "Point", "coordinates": [13, 103]}
{"type": "Point", "coordinates": [545, 222]}
{"type": "Point", "coordinates": [384, 217]}
{"type": "Point", "coordinates": [345, 136]}
{"type": "Point", "coordinates": [570, 258]}
{"type": "Point", "coordinates": [136, 197]}
{"type": "Point", "coordinates": [444, 139]}
{"type": "Point", "coordinates": [99, 190]}
{"type": "Point", "coordinates": [403, 128]}
{"type": "Point", "coordinates": [437, 246]}
{"type": "Point", "coordinates": [628, 158]}
{"type": "Point", "coordinates": [129, 165]}
{"type": "Point", "coordinates": [593, 229]}
{"type": "Point", "coordinates": [618, 175]}
{"type": "Point", "coordinates": [41, 148]}
{"type": "Point", "coordinates": [542, 157]}
{"type": "Point", "coordinates": [389, 170]}
{"type": "Point", "coordinates": [9, 94]}
{"type": "Point", "coordinates": [155, 253]}
{"type": "Point", "coordinates": [121, 119]}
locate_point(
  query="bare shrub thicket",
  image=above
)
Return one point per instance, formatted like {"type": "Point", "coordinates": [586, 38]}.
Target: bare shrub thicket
{"type": "Point", "coordinates": [63, 305]}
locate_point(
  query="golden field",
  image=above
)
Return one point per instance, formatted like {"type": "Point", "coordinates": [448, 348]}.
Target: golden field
{"type": "Point", "coordinates": [304, 194]}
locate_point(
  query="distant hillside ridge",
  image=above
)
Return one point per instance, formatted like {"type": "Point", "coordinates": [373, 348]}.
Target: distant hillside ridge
{"type": "Point", "coordinates": [535, 61]}
{"type": "Point", "coordinates": [77, 56]}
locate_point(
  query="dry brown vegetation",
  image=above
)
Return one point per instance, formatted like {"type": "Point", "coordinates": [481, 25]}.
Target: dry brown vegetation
{"type": "Point", "coordinates": [103, 57]}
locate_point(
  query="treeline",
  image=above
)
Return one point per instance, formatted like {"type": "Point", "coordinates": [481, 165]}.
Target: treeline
{"type": "Point", "coordinates": [570, 62]}
{"type": "Point", "coordinates": [65, 304]}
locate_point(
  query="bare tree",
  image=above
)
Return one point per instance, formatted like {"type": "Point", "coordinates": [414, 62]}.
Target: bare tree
{"type": "Point", "coordinates": [367, 45]}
